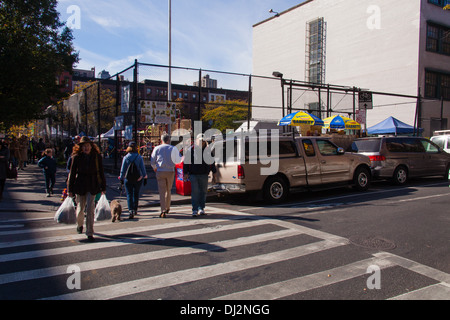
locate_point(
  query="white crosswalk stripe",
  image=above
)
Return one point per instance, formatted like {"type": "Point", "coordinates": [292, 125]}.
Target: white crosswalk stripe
{"type": "Point", "coordinates": [226, 243]}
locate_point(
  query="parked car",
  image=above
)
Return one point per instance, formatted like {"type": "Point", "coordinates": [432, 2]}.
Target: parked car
{"type": "Point", "coordinates": [301, 162]}
{"type": "Point", "coordinates": [399, 158]}
{"type": "Point", "coordinates": [442, 140]}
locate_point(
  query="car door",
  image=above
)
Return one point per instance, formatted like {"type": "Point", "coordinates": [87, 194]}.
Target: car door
{"type": "Point", "coordinates": [435, 162]}
{"type": "Point", "coordinates": [311, 162]}
{"type": "Point", "coordinates": [334, 167]}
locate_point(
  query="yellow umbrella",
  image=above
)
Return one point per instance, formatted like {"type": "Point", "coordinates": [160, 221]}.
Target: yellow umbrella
{"type": "Point", "coordinates": [340, 122]}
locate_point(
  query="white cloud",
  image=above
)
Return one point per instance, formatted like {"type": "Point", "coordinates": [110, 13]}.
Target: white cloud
{"type": "Point", "coordinates": [207, 34]}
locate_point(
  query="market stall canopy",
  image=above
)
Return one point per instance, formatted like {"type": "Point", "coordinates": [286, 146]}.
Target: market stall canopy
{"type": "Point", "coordinates": [340, 122]}
{"type": "Point", "coordinates": [392, 126]}
{"type": "Point", "coordinates": [299, 118]}
{"type": "Point", "coordinates": [110, 134]}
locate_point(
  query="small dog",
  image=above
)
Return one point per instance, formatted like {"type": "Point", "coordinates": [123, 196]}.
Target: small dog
{"type": "Point", "coordinates": [116, 210]}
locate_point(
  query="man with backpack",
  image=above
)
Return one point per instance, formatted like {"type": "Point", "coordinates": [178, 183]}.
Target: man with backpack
{"type": "Point", "coordinates": [132, 173]}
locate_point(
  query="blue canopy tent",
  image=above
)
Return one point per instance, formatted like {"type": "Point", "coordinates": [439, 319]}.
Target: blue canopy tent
{"type": "Point", "coordinates": [392, 126]}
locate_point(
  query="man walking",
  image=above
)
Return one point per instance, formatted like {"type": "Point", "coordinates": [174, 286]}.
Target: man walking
{"type": "Point", "coordinates": [163, 161]}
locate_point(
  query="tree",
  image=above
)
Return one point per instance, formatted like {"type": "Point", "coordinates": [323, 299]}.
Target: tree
{"type": "Point", "coordinates": [226, 114]}
{"type": "Point", "coordinates": [35, 48]}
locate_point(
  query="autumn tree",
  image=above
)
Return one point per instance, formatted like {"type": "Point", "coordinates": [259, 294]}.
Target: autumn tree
{"type": "Point", "coordinates": [225, 114]}
{"type": "Point", "coordinates": [35, 48]}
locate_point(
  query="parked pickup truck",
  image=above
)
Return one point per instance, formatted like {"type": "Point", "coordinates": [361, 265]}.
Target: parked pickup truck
{"type": "Point", "coordinates": [298, 162]}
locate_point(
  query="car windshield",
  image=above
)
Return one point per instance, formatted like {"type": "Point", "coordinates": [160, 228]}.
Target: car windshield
{"type": "Point", "coordinates": [366, 145]}
{"type": "Point", "coordinates": [440, 141]}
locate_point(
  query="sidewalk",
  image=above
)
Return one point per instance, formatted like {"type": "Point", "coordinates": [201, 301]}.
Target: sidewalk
{"type": "Point", "coordinates": [27, 193]}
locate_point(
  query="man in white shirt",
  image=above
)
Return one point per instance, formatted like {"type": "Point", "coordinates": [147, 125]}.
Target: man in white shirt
{"type": "Point", "coordinates": [163, 160]}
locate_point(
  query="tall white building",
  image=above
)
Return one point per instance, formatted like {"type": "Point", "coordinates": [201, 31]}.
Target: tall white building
{"type": "Point", "coordinates": [380, 45]}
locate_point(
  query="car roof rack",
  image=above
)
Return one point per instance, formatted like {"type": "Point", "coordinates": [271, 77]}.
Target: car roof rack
{"type": "Point", "coordinates": [441, 132]}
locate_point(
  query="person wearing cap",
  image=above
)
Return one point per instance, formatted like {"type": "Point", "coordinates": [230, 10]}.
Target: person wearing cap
{"type": "Point", "coordinates": [197, 171]}
{"type": "Point", "coordinates": [86, 179]}
{"type": "Point", "coordinates": [133, 187]}
{"type": "Point", "coordinates": [163, 160]}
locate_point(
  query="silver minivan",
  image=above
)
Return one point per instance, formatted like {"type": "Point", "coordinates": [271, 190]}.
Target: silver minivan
{"type": "Point", "coordinates": [399, 158]}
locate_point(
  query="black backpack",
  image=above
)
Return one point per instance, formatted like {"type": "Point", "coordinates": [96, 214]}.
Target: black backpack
{"type": "Point", "coordinates": [133, 174]}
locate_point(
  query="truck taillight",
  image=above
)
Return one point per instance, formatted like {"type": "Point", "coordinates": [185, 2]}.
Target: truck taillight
{"type": "Point", "coordinates": [377, 158]}
{"type": "Point", "coordinates": [241, 174]}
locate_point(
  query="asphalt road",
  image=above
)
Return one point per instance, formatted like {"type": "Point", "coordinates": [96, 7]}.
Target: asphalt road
{"type": "Point", "coordinates": [387, 243]}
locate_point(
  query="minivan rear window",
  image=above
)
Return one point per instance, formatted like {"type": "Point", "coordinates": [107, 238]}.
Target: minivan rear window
{"type": "Point", "coordinates": [366, 145]}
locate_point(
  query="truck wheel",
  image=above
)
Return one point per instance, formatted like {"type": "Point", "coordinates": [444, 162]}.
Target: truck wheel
{"type": "Point", "coordinates": [275, 190]}
{"type": "Point", "coordinates": [400, 175]}
{"type": "Point", "coordinates": [362, 179]}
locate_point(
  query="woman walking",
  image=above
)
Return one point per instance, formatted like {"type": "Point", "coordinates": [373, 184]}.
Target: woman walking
{"type": "Point", "coordinates": [133, 173]}
{"type": "Point", "coordinates": [86, 179]}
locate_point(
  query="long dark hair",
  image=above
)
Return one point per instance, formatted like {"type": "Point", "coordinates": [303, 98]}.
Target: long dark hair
{"type": "Point", "coordinates": [77, 149]}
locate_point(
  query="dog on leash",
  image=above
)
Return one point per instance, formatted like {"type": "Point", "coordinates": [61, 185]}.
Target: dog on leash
{"type": "Point", "coordinates": [116, 210]}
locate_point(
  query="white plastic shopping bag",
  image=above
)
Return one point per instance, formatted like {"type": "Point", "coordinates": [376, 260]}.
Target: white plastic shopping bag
{"type": "Point", "coordinates": [67, 212]}
{"type": "Point", "coordinates": [102, 210]}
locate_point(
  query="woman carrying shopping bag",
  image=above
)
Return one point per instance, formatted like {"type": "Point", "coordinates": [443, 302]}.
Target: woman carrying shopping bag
{"type": "Point", "coordinates": [86, 179]}
{"type": "Point", "coordinates": [133, 173]}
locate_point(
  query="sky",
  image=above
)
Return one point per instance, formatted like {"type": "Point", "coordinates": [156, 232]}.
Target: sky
{"type": "Point", "coordinates": [208, 34]}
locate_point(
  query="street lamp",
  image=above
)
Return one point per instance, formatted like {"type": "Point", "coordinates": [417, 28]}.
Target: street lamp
{"type": "Point", "coordinates": [277, 74]}
{"type": "Point", "coordinates": [169, 84]}
{"type": "Point", "coordinates": [276, 13]}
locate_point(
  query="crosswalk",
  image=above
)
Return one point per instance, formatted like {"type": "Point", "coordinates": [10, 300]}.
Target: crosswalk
{"type": "Point", "coordinates": [227, 255]}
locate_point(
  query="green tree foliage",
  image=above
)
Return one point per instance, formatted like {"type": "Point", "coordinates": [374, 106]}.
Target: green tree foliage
{"type": "Point", "coordinates": [226, 114]}
{"type": "Point", "coordinates": [35, 48]}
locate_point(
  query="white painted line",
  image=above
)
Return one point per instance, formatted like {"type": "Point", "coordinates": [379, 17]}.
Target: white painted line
{"type": "Point", "coordinates": [312, 281]}
{"type": "Point", "coordinates": [123, 242]}
{"type": "Point", "coordinates": [424, 270]}
{"type": "Point", "coordinates": [144, 257]}
{"type": "Point", "coordinates": [439, 291]}
{"type": "Point", "coordinates": [195, 274]}
{"type": "Point", "coordinates": [72, 236]}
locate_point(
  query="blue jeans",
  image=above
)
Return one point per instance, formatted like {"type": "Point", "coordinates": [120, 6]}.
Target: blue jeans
{"type": "Point", "coordinates": [133, 194]}
{"type": "Point", "coordinates": [49, 181]}
{"type": "Point", "coordinates": [199, 187]}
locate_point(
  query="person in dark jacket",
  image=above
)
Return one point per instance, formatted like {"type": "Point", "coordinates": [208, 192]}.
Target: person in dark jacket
{"type": "Point", "coordinates": [86, 179]}
{"type": "Point", "coordinates": [48, 163]}
{"type": "Point", "coordinates": [4, 161]}
{"type": "Point", "coordinates": [197, 171]}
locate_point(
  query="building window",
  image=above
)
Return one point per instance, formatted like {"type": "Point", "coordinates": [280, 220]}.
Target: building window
{"type": "Point", "coordinates": [438, 39]}
{"type": "Point", "coordinates": [437, 85]}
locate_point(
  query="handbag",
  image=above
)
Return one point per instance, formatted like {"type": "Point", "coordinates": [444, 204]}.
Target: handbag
{"type": "Point", "coordinates": [11, 171]}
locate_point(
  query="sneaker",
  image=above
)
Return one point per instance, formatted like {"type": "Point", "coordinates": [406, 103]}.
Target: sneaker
{"type": "Point", "coordinates": [201, 212]}
{"type": "Point", "coordinates": [194, 214]}
{"type": "Point", "coordinates": [91, 239]}
{"type": "Point", "coordinates": [80, 230]}
{"type": "Point", "coordinates": [48, 195]}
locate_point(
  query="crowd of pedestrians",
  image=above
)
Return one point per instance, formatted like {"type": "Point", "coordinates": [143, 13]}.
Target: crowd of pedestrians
{"type": "Point", "coordinates": [85, 177]}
